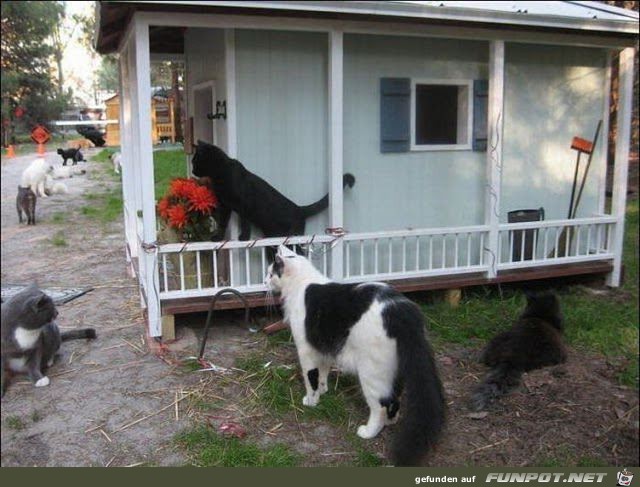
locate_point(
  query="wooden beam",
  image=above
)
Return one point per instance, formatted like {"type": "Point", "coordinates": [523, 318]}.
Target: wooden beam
{"type": "Point", "coordinates": [495, 118]}
{"type": "Point", "coordinates": [335, 99]}
{"type": "Point", "coordinates": [621, 168]}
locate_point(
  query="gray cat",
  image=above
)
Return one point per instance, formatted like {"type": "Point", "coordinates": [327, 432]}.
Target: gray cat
{"type": "Point", "coordinates": [26, 201]}
{"type": "Point", "coordinates": [30, 336]}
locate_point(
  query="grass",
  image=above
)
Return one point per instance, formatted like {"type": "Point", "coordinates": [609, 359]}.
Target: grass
{"type": "Point", "coordinates": [606, 324]}
{"type": "Point", "coordinates": [59, 217]}
{"type": "Point", "coordinates": [168, 164]}
{"type": "Point", "coordinates": [15, 423]}
{"type": "Point", "coordinates": [564, 456]}
{"type": "Point", "coordinates": [208, 449]}
{"type": "Point", "coordinates": [280, 389]}
{"type": "Point", "coordinates": [58, 239]}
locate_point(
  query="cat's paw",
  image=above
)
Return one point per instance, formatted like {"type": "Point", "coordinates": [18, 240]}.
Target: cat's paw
{"type": "Point", "coordinates": [365, 434]}
{"type": "Point", "coordinates": [393, 420]}
{"type": "Point", "coordinates": [42, 382]}
{"type": "Point", "coordinates": [310, 401]}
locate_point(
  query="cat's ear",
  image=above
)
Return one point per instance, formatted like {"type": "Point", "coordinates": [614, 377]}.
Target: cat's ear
{"type": "Point", "coordinates": [285, 252]}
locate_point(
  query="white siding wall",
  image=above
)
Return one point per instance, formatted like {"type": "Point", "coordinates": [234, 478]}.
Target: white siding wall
{"type": "Point", "coordinates": [414, 189]}
{"type": "Point", "coordinates": [205, 61]}
{"type": "Point", "coordinates": [551, 95]}
{"type": "Point", "coordinates": [282, 113]}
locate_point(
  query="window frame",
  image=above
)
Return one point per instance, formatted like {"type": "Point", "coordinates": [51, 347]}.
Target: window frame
{"type": "Point", "coordinates": [467, 144]}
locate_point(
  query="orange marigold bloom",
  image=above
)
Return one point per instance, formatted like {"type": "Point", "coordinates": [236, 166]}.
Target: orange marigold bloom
{"type": "Point", "coordinates": [163, 206]}
{"type": "Point", "coordinates": [178, 216]}
{"type": "Point", "coordinates": [180, 187]}
{"type": "Point", "coordinates": [202, 199]}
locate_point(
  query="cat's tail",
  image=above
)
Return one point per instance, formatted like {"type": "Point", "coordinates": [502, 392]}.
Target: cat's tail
{"type": "Point", "coordinates": [323, 203]}
{"type": "Point", "coordinates": [78, 334]}
{"type": "Point", "coordinates": [500, 380]}
{"type": "Point", "coordinates": [423, 414]}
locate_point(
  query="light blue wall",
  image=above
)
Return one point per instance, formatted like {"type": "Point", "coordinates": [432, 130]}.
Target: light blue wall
{"type": "Point", "coordinates": [416, 189]}
{"type": "Point", "coordinates": [551, 95]}
{"type": "Point", "coordinates": [282, 113]}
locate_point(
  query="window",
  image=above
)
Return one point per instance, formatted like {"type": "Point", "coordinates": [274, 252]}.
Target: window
{"type": "Point", "coordinates": [441, 114]}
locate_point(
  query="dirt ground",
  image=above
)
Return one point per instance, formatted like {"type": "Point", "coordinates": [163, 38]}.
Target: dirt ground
{"type": "Point", "coordinates": [112, 401]}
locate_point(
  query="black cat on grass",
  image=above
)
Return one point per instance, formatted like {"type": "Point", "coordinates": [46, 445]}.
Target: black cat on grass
{"type": "Point", "coordinates": [255, 200]}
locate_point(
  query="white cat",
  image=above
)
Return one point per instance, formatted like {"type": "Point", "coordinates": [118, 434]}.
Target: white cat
{"type": "Point", "coordinates": [35, 176]}
{"type": "Point", "coordinates": [117, 162]}
{"type": "Point", "coordinates": [64, 172]}
{"type": "Point", "coordinates": [369, 330]}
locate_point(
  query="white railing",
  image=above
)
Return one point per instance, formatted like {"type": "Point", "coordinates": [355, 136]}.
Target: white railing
{"type": "Point", "coordinates": [202, 268]}
{"type": "Point", "coordinates": [543, 243]}
{"type": "Point", "coordinates": [414, 253]}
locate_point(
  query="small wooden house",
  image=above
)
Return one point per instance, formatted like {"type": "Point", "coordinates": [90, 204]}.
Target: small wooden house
{"type": "Point", "coordinates": [451, 116]}
{"type": "Point", "coordinates": [163, 123]}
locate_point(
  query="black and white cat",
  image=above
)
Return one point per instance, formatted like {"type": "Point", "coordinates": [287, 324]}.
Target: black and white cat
{"type": "Point", "coordinates": [255, 200]}
{"type": "Point", "coordinates": [26, 201]}
{"type": "Point", "coordinates": [30, 336]}
{"type": "Point", "coordinates": [369, 330]}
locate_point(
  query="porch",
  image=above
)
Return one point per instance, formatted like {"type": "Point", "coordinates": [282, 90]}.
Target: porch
{"type": "Point", "coordinates": [177, 278]}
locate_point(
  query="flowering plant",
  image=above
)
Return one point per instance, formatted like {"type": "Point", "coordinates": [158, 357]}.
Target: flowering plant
{"type": "Point", "coordinates": [187, 208]}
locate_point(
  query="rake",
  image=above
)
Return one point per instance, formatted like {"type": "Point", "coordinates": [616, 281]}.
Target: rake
{"type": "Point", "coordinates": [582, 146]}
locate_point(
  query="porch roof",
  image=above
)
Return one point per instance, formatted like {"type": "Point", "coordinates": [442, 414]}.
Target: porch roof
{"type": "Point", "coordinates": [560, 16]}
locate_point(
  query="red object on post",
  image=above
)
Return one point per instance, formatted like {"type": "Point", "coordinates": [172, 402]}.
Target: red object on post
{"type": "Point", "coordinates": [582, 145]}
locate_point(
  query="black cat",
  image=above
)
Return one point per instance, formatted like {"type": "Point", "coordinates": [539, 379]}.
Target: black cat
{"type": "Point", "coordinates": [74, 154]}
{"type": "Point", "coordinates": [534, 341]}
{"type": "Point", "coordinates": [255, 200]}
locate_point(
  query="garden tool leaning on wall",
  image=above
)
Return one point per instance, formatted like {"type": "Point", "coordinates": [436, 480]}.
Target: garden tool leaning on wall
{"type": "Point", "coordinates": [582, 146]}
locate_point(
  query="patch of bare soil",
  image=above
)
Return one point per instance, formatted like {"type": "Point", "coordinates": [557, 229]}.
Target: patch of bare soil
{"type": "Point", "coordinates": [120, 400]}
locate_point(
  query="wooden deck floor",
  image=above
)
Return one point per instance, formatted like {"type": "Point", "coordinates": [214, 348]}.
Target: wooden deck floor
{"type": "Point", "coordinates": [192, 305]}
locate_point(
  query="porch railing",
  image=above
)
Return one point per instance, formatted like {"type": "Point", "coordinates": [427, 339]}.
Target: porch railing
{"type": "Point", "coordinates": [202, 268]}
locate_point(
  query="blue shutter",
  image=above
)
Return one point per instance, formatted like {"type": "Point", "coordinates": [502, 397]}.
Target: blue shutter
{"type": "Point", "coordinates": [395, 97]}
{"type": "Point", "coordinates": [480, 103]}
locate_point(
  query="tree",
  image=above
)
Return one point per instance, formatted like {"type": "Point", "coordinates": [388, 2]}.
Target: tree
{"type": "Point", "coordinates": [26, 75]}
{"type": "Point", "coordinates": [62, 33]}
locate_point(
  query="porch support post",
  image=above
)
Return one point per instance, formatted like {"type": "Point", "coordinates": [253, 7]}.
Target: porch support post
{"type": "Point", "coordinates": [335, 98]}
{"type": "Point", "coordinates": [148, 251]}
{"type": "Point", "coordinates": [604, 145]}
{"type": "Point", "coordinates": [124, 126]}
{"type": "Point", "coordinates": [621, 167]}
{"type": "Point", "coordinates": [494, 155]}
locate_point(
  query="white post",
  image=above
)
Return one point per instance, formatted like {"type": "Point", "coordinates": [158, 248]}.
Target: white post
{"type": "Point", "coordinates": [335, 98]}
{"type": "Point", "coordinates": [604, 146]}
{"type": "Point", "coordinates": [495, 117]}
{"type": "Point", "coordinates": [125, 157]}
{"type": "Point", "coordinates": [149, 251]}
{"type": "Point", "coordinates": [621, 167]}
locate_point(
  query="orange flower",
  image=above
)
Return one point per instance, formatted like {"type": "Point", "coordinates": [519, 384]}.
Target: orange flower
{"type": "Point", "coordinates": [202, 199]}
{"type": "Point", "coordinates": [180, 187]}
{"type": "Point", "coordinates": [163, 206]}
{"type": "Point", "coordinates": [178, 216]}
